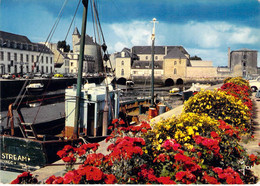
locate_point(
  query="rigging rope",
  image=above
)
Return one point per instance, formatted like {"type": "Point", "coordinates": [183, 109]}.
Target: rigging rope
{"type": "Point", "coordinates": [59, 53]}
{"type": "Point", "coordinates": [43, 48]}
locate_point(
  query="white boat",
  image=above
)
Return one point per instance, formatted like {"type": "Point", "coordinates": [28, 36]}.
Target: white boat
{"type": "Point", "coordinates": [35, 87]}
{"type": "Point", "coordinates": [196, 87]}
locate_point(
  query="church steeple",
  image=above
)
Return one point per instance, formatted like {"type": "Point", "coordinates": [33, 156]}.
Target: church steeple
{"type": "Point", "coordinates": [76, 31]}
{"type": "Point", "coordinates": [75, 39]}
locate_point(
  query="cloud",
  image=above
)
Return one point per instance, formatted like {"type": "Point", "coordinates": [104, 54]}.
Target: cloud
{"type": "Point", "coordinates": [133, 33]}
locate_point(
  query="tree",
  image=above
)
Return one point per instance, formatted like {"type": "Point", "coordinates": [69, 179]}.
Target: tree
{"type": "Point", "coordinates": [63, 44]}
{"type": "Point", "coordinates": [195, 58]}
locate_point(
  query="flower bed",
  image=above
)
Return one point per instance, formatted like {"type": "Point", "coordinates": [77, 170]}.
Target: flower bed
{"type": "Point", "coordinates": [200, 146]}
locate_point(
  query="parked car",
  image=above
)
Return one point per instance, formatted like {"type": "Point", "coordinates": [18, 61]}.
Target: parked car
{"type": "Point", "coordinates": [28, 76]}
{"type": "Point", "coordinates": [7, 76]}
{"type": "Point", "coordinates": [58, 75]}
{"type": "Point", "coordinates": [255, 84]}
{"type": "Point", "coordinates": [68, 75]}
{"type": "Point", "coordinates": [47, 75]}
{"type": "Point", "coordinates": [38, 74]}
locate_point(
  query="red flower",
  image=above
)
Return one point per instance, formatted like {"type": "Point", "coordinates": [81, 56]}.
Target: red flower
{"type": "Point", "coordinates": [93, 173]}
{"type": "Point", "coordinates": [16, 181]}
{"type": "Point", "coordinates": [114, 121]}
{"type": "Point", "coordinates": [50, 179]}
{"type": "Point", "coordinates": [110, 179]}
{"type": "Point", "coordinates": [210, 179]}
{"type": "Point", "coordinates": [165, 180]}
{"type": "Point", "coordinates": [253, 157]}
{"type": "Point", "coordinates": [121, 122]}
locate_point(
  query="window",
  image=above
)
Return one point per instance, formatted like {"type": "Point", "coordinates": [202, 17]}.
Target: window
{"type": "Point", "coordinates": [244, 64]}
{"type": "Point", "coordinates": [15, 69]}
{"type": "Point", "coordinates": [71, 64]}
{"type": "Point", "coordinates": [37, 58]}
{"type": "Point", "coordinates": [32, 58]}
{"type": "Point", "coordinates": [175, 71]}
{"type": "Point", "coordinates": [67, 63]}
{"type": "Point", "coordinates": [122, 63]}
{"type": "Point", "coordinates": [42, 69]}
{"type": "Point", "coordinates": [175, 62]}
{"type": "Point", "coordinates": [2, 56]}
{"type": "Point", "coordinates": [42, 59]}
{"type": "Point", "coordinates": [27, 58]}
{"type": "Point", "coordinates": [146, 57]}
{"type": "Point", "coordinates": [51, 60]}
{"type": "Point", "coordinates": [46, 60]}
{"type": "Point", "coordinates": [15, 57]}
{"type": "Point", "coordinates": [9, 68]}
{"type": "Point", "coordinates": [244, 56]}
{"type": "Point", "coordinates": [122, 72]}
{"type": "Point", "coordinates": [27, 68]}
{"type": "Point", "coordinates": [47, 69]}
{"type": "Point", "coordinates": [156, 57]}
{"type": "Point", "coordinates": [51, 70]}
{"type": "Point", "coordinates": [21, 57]}
{"type": "Point", "coordinates": [8, 56]}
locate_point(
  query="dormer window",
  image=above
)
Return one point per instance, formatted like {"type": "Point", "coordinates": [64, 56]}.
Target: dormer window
{"type": "Point", "coordinates": [18, 45]}
{"type": "Point", "coordinates": [15, 45]}
{"type": "Point", "coordinates": [122, 54]}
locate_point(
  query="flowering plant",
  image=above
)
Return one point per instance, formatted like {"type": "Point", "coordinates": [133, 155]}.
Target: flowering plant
{"type": "Point", "coordinates": [199, 146]}
{"type": "Point", "coordinates": [25, 177]}
{"type": "Point", "coordinates": [220, 105]}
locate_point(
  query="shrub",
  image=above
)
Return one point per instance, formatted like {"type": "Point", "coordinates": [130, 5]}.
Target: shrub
{"type": "Point", "coordinates": [220, 105]}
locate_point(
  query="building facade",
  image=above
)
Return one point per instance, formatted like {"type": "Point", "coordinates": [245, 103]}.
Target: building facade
{"type": "Point", "coordinates": [19, 55]}
{"type": "Point", "coordinates": [93, 61]}
{"type": "Point", "coordinates": [61, 61]}
{"type": "Point", "coordinates": [173, 65]}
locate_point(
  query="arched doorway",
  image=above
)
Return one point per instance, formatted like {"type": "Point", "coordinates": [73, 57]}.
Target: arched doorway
{"type": "Point", "coordinates": [169, 82]}
{"type": "Point", "coordinates": [121, 81]}
{"type": "Point", "coordinates": [179, 81]}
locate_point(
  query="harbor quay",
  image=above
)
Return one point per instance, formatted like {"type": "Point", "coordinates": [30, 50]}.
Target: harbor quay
{"type": "Point", "coordinates": [252, 146]}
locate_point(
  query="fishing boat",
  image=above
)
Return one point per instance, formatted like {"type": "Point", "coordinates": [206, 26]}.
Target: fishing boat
{"type": "Point", "coordinates": [27, 146]}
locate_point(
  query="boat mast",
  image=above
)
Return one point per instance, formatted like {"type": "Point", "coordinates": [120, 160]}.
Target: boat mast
{"type": "Point", "coordinates": [152, 81]}
{"type": "Point", "coordinates": [80, 67]}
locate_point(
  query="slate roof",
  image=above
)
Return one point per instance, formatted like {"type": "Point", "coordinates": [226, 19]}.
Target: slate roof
{"type": "Point", "coordinates": [76, 31]}
{"type": "Point", "coordinates": [6, 37]}
{"type": "Point", "coordinates": [127, 54]}
{"type": "Point", "coordinates": [147, 65]}
{"type": "Point", "coordinates": [175, 53]}
{"type": "Point", "coordinates": [88, 41]}
{"type": "Point", "coordinates": [147, 50]}
{"type": "Point", "coordinates": [13, 37]}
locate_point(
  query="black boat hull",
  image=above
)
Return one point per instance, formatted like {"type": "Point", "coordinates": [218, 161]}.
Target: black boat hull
{"type": "Point", "coordinates": [22, 154]}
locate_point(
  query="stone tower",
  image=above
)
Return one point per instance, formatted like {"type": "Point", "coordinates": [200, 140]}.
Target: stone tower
{"type": "Point", "coordinates": [75, 39]}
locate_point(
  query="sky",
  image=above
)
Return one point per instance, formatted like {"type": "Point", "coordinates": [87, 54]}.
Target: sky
{"type": "Point", "coordinates": [205, 28]}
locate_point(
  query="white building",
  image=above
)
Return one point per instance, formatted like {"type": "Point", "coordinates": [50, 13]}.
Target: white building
{"type": "Point", "coordinates": [19, 55]}
{"type": "Point", "coordinates": [61, 59]}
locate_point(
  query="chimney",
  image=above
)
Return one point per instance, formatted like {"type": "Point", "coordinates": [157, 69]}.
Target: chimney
{"type": "Point", "coordinates": [165, 50]}
{"type": "Point", "coordinates": [229, 60]}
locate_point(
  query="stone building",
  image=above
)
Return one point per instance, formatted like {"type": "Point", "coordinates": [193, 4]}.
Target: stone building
{"type": "Point", "coordinates": [61, 61]}
{"type": "Point", "coordinates": [243, 62]}
{"type": "Point", "coordinates": [19, 55]}
{"type": "Point", "coordinates": [173, 65]}
{"type": "Point", "coordinates": [92, 52]}
{"type": "Point", "coordinates": [135, 64]}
